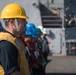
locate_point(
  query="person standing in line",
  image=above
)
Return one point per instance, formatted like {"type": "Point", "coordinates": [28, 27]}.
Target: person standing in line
{"type": "Point", "coordinates": [30, 47]}
{"type": "Point", "coordinates": [35, 56]}
{"type": "Point", "coordinates": [13, 55]}
{"type": "Point", "coordinates": [44, 41]}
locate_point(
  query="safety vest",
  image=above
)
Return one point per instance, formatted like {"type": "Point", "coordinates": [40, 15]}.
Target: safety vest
{"type": "Point", "coordinates": [22, 60]}
{"type": "Point", "coordinates": [34, 55]}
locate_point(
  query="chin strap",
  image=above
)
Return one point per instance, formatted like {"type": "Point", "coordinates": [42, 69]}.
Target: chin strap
{"type": "Point", "coordinates": [16, 23]}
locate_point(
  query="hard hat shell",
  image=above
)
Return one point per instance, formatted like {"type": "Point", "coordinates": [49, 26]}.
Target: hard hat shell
{"type": "Point", "coordinates": [38, 31]}
{"type": "Point", "coordinates": [31, 29]}
{"type": "Point", "coordinates": [28, 30]}
{"type": "Point", "coordinates": [28, 33]}
{"type": "Point", "coordinates": [34, 33]}
{"type": "Point", "coordinates": [41, 28]}
{"type": "Point", "coordinates": [44, 31]}
{"type": "Point", "coordinates": [13, 11]}
{"type": "Point", "coordinates": [31, 25]}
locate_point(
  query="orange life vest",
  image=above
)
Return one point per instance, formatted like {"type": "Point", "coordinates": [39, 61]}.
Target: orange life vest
{"type": "Point", "coordinates": [22, 60]}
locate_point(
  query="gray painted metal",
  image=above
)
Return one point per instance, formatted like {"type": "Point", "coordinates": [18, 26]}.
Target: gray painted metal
{"type": "Point", "coordinates": [57, 35]}
{"type": "Point", "coordinates": [56, 39]}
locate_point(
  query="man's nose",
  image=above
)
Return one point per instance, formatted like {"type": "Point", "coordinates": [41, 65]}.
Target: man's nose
{"type": "Point", "coordinates": [26, 23]}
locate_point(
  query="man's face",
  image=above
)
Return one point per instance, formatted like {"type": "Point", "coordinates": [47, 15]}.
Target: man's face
{"type": "Point", "coordinates": [28, 38]}
{"type": "Point", "coordinates": [21, 25]}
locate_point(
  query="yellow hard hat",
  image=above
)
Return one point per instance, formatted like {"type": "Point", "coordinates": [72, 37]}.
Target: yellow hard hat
{"type": "Point", "coordinates": [13, 11]}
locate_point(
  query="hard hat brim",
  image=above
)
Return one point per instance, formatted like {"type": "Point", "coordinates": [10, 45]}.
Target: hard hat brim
{"type": "Point", "coordinates": [23, 17]}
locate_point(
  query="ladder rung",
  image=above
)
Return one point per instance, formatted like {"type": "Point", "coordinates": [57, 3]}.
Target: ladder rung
{"type": "Point", "coordinates": [51, 20]}
{"type": "Point", "coordinates": [52, 24]}
{"type": "Point", "coordinates": [50, 16]}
